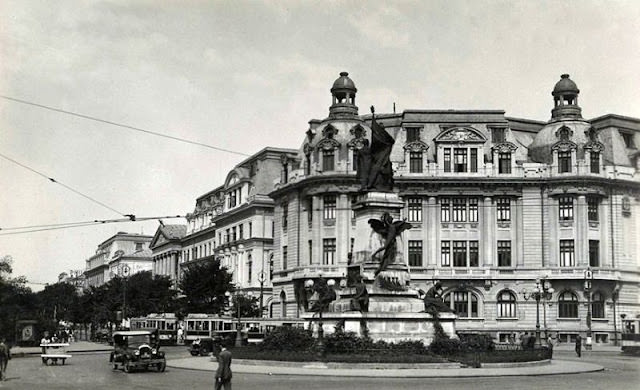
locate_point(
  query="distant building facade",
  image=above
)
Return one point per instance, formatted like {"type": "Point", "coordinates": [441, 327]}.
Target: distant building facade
{"type": "Point", "coordinates": [234, 223]}
{"type": "Point", "coordinates": [122, 255]}
{"type": "Point", "coordinates": [166, 249]}
{"type": "Point", "coordinates": [496, 203]}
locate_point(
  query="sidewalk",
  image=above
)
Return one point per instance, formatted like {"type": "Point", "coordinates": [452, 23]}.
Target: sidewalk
{"type": "Point", "coordinates": [77, 346]}
{"type": "Point", "coordinates": [553, 367]}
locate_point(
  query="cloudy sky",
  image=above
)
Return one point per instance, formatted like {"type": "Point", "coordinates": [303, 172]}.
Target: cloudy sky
{"type": "Point", "coordinates": [242, 75]}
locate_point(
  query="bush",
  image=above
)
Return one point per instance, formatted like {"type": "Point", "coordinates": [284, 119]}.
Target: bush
{"type": "Point", "coordinates": [287, 338]}
{"type": "Point", "coordinates": [445, 346]}
{"type": "Point", "coordinates": [346, 342]}
{"type": "Point", "coordinates": [477, 342]}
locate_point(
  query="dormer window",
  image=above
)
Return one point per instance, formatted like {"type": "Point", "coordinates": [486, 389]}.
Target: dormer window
{"type": "Point", "coordinates": [628, 140]}
{"type": "Point", "coordinates": [498, 135]}
{"type": "Point", "coordinates": [564, 161]}
{"type": "Point", "coordinates": [594, 161]}
{"type": "Point", "coordinates": [459, 148]}
{"type": "Point", "coordinates": [328, 160]}
{"type": "Point", "coordinates": [415, 162]}
{"type": "Point", "coordinates": [504, 163]}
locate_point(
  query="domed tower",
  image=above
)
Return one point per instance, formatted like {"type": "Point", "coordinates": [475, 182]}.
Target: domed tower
{"type": "Point", "coordinates": [565, 98]}
{"type": "Point", "coordinates": [343, 94]}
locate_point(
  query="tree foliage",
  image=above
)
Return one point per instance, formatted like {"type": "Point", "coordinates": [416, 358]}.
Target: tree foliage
{"type": "Point", "coordinates": [204, 286]}
{"type": "Point", "coordinates": [17, 301]}
{"type": "Point", "coordinates": [249, 306]}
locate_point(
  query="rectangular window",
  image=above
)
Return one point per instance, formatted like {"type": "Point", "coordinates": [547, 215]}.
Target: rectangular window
{"type": "Point", "coordinates": [285, 216]}
{"type": "Point", "coordinates": [459, 210]}
{"type": "Point", "coordinates": [310, 252]}
{"type": "Point", "coordinates": [415, 162]}
{"type": "Point", "coordinates": [415, 253]}
{"type": "Point", "coordinates": [413, 134]}
{"type": "Point", "coordinates": [459, 253]}
{"type": "Point", "coordinates": [447, 159]}
{"type": "Point", "coordinates": [461, 303]}
{"type": "Point", "coordinates": [354, 160]}
{"type": "Point", "coordinates": [504, 253]}
{"type": "Point", "coordinates": [250, 229]}
{"type": "Point", "coordinates": [310, 210]}
{"type": "Point", "coordinates": [445, 210]}
{"type": "Point", "coordinates": [249, 269]}
{"type": "Point", "coordinates": [445, 253]}
{"type": "Point", "coordinates": [474, 160]}
{"type": "Point", "coordinates": [564, 162]}
{"type": "Point", "coordinates": [328, 160]}
{"type": "Point", "coordinates": [285, 255]}
{"type": "Point", "coordinates": [503, 209]}
{"type": "Point", "coordinates": [354, 200]}
{"type": "Point", "coordinates": [459, 159]}
{"type": "Point", "coordinates": [594, 253]}
{"type": "Point", "coordinates": [328, 251]}
{"type": "Point", "coordinates": [504, 163]}
{"type": "Point", "coordinates": [628, 140]}
{"type": "Point", "coordinates": [565, 208]}
{"type": "Point", "coordinates": [592, 209]}
{"type": "Point", "coordinates": [474, 257]}
{"type": "Point", "coordinates": [241, 231]}
{"type": "Point", "coordinates": [307, 165]}
{"type": "Point", "coordinates": [473, 210]}
{"type": "Point", "coordinates": [329, 207]}
{"type": "Point", "coordinates": [227, 236]}
{"type": "Point", "coordinates": [567, 253]}
{"type": "Point", "coordinates": [594, 158]}
{"type": "Point", "coordinates": [415, 209]}
{"type": "Point", "coordinates": [234, 236]}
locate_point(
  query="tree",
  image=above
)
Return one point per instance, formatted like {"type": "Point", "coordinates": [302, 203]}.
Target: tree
{"type": "Point", "coordinates": [248, 306]}
{"type": "Point", "coordinates": [204, 285]}
{"type": "Point", "coordinates": [17, 301]}
{"type": "Point", "coordinates": [149, 294]}
{"type": "Point", "coordinates": [56, 301]}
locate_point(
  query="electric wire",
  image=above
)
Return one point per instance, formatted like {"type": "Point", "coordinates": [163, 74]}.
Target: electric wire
{"type": "Point", "coordinates": [62, 184]}
{"type": "Point", "coordinates": [95, 119]}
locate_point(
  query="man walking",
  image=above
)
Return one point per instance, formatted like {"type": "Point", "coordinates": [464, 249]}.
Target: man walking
{"type": "Point", "coordinates": [579, 345]}
{"type": "Point", "coordinates": [5, 355]}
{"type": "Point", "coordinates": [223, 373]}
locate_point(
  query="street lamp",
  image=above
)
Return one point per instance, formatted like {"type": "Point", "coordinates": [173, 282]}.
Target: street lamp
{"type": "Point", "coordinates": [588, 279]}
{"type": "Point", "coordinates": [542, 290]}
{"type": "Point", "coordinates": [321, 306]}
{"type": "Point", "coordinates": [261, 279]}
{"type": "Point", "coordinates": [236, 295]}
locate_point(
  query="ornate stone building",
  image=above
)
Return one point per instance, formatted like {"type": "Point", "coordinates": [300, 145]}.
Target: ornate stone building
{"type": "Point", "coordinates": [234, 222]}
{"type": "Point", "coordinates": [166, 248]}
{"type": "Point", "coordinates": [496, 203]}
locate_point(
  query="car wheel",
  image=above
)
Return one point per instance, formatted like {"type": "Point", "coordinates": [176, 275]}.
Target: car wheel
{"type": "Point", "coordinates": [194, 353]}
{"type": "Point", "coordinates": [115, 366]}
{"type": "Point", "coordinates": [127, 366]}
{"type": "Point", "coordinates": [204, 351]}
{"type": "Point", "coordinates": [162, 366]}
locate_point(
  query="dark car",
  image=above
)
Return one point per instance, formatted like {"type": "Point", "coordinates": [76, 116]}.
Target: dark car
{"type": "Point", "coordinates": [203, 346]}
{"type": "Point", "coordinates": [137, 349]}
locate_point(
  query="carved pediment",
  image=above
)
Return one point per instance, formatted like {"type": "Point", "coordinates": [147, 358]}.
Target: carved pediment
{"type": "Point", "coordinates": [329, 131]}
{"type": "Point", "coordinates": [594, 146]}
{"type": "Point", "coordinates": [328, 144]}
{"type": "Point", "coordinates": [564, 146]}
{"type": "Point", "coordinates": [416, 146]}
{"type": "Point", "coordinates": [357, 143]}
{"type": "Point", "coordinates": [459, 134]}
{"type": "Point", "coordinates": [564, 133]}
{"type": "Point", "coordinates": [358, 131]}
{"type": "Point", "coordinates": [504, 147]}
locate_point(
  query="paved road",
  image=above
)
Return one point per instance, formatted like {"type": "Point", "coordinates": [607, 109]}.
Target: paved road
{"type": "Point", "coordinates": [92, 371]}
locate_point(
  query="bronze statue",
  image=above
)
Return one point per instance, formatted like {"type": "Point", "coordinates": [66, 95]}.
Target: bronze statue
{"type": "Point", "coordinates": [360, 300]}
{"type": "Point", "coordinates": [389, 230]}
{"type": "Point", "coordinates": [433, 301]}
{"type": "Point", "coordinates": [374, 165]}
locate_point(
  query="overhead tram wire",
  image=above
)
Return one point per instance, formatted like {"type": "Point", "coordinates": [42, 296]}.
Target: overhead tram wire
{"type": "Point", "coordinates": [42, 228]}
{"type": "Point", "coordinates": [91, 118]}
{"type": "Point", "coordinates": [63, 185]}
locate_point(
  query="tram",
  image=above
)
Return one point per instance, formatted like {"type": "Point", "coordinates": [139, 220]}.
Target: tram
{"type": "Point", "coordinates": [253, 329]}
{"type": "Point", "coordinates": [631, 336]}
{"type": "Point", "coordinates": [166, 324]}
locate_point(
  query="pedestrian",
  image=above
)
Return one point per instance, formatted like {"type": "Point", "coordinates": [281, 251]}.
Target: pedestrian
{"type": "Point", "coordinates": [180, 336]}
{"type": "Point", "coordinates": [5, 355]}
{"type": "Point", "coordinates": [579, 345]}
{"type": "Point", "coordinates": [223, 373]}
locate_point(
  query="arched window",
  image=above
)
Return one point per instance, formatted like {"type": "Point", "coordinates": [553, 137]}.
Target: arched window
{"type": "Point", "coordinates": [506, 304]}
{"type": "Point", "coordinates": [597, 305]}
{"type": "Point", "coordinates": [568, 305]}
{"type": "Point", "coordinates": [465, 303]}
{"type": "Point", "coordinates": [283, 304]}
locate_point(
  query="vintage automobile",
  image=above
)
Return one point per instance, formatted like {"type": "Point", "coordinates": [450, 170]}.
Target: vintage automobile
{"type": "Point", "coordinates": [137, 349]}
{"type": "Point", "coordinates": [203, 346]}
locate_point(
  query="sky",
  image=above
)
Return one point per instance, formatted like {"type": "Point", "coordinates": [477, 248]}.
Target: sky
{"type": "Point", "coordinates": [243, 75]}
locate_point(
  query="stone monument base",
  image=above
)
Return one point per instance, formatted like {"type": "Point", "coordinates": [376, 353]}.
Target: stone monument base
{"type": "Point", "coordinates": [390, 327]}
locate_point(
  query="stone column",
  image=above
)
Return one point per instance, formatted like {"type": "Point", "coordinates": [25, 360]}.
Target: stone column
{"type": "Point", "coordinates": [581, 229]}
{"type": "Point", "coordinates": [488, 234]}
{"type": "Point", "coordinates": [431, 229]}
{"type": "Point", "coordinates": [516, 226]}
{"type": "Point", "coordinates": [343, 225]}
{"type": "Point", "coordinates": [317, 230]}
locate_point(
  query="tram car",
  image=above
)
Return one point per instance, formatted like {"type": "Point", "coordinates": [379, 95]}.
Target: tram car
{"type": "Point", "coordinates": [631, 336]}
{"type": "Point", "coordinates": [166, 324]}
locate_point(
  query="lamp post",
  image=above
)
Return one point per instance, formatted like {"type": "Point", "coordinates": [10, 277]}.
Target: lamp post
{"type": "Point", "coordinates": [261, 279]}
{"type": "Point", "coordinates": [236, 295]}
{"type": "Point", "coordinates": [309, 283]}
{"type": "Point", "coordinates": [588, 279]}
{"type": "Point", "coordinates": [542, 290]}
